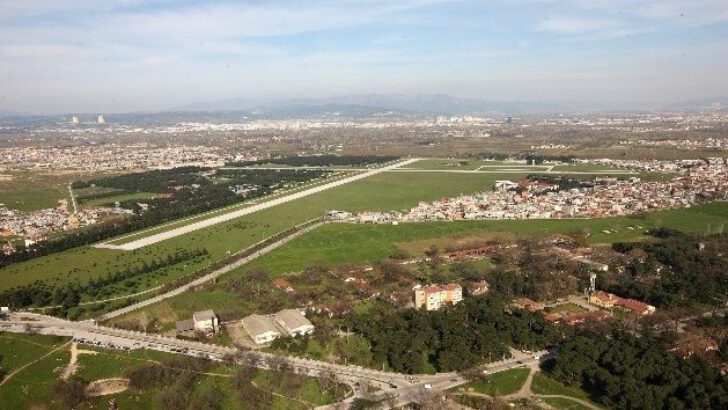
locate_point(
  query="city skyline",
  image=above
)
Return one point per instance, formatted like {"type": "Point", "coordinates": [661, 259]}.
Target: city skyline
{"type": "Point", "coordinates": [138, 55]}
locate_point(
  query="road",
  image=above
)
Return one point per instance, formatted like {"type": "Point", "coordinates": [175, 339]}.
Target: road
{"type": "Point", "coordinates": [401, 387]}
{"type": "Point", "coordinates": [210, 276]}
{"type": "Point", "coordinates": [73, 199]}
{"type": "Point", "coordinates": [205, 223]}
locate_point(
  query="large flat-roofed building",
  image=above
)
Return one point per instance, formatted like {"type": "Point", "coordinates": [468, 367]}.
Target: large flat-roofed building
{"type": "Point", "coordinates": [294, 322]}
{"type": "Point", "coordinates": [434, 297]}
{"type": "Point", "coordinates": [262, 329]}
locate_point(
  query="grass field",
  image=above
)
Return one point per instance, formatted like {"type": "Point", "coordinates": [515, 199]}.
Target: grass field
{"type": "Point", "coordinates": [542, 384]}
{"type": "Point", "coordinates": [31, 385]}
{"type": "Point", "coordinates": [499, 384]}
{"type": "Point", "coordinates": [566, 308]}
{"type": "Point", "coordinates": [34, 190]}
{"type": "Point", "coordinates": [140, 196]}
{"type": "Point", "coordinates": [563, 404]}
{"type": "Point", "coordinates": [347, 243]}
{"type": "Point", "coordinates": [388, 191]}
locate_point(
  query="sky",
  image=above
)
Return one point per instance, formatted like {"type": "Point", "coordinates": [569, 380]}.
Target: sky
{"type": "Point", "coordinates": [148, 55]}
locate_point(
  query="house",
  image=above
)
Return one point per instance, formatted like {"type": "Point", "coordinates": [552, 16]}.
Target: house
{"type": "Point", "coordinates": [186, 325]}
{"type": "Point", "coordinates": [528, 304]}
{"type": "Point", "coordinates": [594, 315]}
{"type": "Point", "coordinates": [262, 329]}
{"type": "Point", "coordinates": [637, 307]}
{"type": "Point", "coordinates": [433, 297]}
{"type": "Point", "coordinates": [206, 321]}
{"type": "Point", "coordinates": [505, 184]}
{"type": "Point", "coordinates": [283, 285]}
{"type": "Point", "coordinates": [4, 310]}
{"type": "Point", "coordinates": [603, 299]}
{"type": "Point", "coordinates": [294, 322]}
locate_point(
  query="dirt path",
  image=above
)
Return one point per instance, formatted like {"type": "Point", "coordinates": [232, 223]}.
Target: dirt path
{"type": "Point", "coordinates": [16, 371]}
{"type": "Point", "coordinates": [72, 366]}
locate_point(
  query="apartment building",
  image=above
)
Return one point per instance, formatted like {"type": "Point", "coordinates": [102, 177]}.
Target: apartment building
{"type": "Point", "coordinates": [433, 297]}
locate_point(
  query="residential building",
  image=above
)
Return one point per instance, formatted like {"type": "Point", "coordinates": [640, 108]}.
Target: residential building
{"type": "Point", "coordinates": [603, 299]}
{"type": "Point", "coordinates": [262, 329]}
{"type": "Point", "coordinates": [434, 297]}
{"type": "Point", "coordinates": [294, 322]}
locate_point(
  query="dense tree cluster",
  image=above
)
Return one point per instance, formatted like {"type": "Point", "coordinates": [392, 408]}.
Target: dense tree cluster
{"type": "Point", "coordinates": [475, 330]}
{"type": "Point", "coordinates": [321, 161]}
{"type": "Point", "coordinates": [176, 379]}
{"type": "Point", "coordinates": [677, 270]}
{"type": "Point", "coordinates": [625, 371]}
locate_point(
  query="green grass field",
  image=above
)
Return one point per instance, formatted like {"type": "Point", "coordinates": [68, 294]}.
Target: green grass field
{"type": "Point", "coordinates": [348, 243]}
{"type": "Point", "coordinates": [31, 385]}
{"type": "Point", "coordinates": [563, 404]}
{"type": "Point", "coordinates": [388, 191]}
{"type": "Point", "coordinates": [34, 190]}
{"type": "Point", "coordinates": [566, 308]}
{"type": "Point", "coordinates": [542, 384]}
{"type": "Point", "coordinates": [499, 384]}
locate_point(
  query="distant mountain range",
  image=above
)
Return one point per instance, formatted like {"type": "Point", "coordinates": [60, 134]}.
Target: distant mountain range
{"type": "Point", "coordinates": [373, 104]}
{"type": "Point", "coordinates": [364, 105]}
{"type": "Point", "coordinates": [428, 104]}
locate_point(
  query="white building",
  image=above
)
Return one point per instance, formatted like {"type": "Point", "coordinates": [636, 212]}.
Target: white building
{"type": "Point", "coordinates": [262, 329]}
{"type": "Point", "coordinates": [205, 321]}
{"type": "Point", "coordinates": [434, 297]}
{"type": "Point", "coordinates": [294, 322]}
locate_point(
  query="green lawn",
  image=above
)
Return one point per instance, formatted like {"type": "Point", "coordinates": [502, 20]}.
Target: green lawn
{"type": "Point", "coordinates": [564, 404]}
{"type": "Point", "coordinates": [30, 386]}
{"type": "Point", "coordinates": [140, 196]}
{"type": "Point", "coordinates": [566, 308]}
{"type": "Point", "coordinates": [542, 384]}
{"type": "Point", "coordinates": [500, 384]}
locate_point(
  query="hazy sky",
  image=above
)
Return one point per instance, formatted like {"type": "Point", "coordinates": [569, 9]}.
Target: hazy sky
{"type": "Point", "coordinates": [127, 55]}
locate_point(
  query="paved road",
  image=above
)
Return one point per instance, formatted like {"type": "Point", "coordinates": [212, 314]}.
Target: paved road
{"type": "Point", "coordinates": [403, 388]}
{"type": "Point", "coordinates": [210, 276]}
{"type": "Point", "coordinates": [172, 233]}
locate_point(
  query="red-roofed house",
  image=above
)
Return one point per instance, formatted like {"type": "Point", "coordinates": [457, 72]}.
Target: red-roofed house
{"type": "Point", "coordinates": [636, 306]}
{"type": "Point", "coordinates": [283, 285]}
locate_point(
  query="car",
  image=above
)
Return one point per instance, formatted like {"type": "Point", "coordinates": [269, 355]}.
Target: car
{"type": "Point", "coordinates": [427, 386]}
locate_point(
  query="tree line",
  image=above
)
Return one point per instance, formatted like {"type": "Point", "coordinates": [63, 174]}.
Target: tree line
{"type": "Point", "coordinates": [40, 294]}
{"type": "Point", "coordinates": [320, 161]}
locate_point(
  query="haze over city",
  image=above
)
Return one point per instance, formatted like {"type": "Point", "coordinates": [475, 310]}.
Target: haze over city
{"type": "Point", "coordinates": [138, 55]}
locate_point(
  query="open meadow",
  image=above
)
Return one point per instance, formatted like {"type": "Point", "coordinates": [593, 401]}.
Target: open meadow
{"type": "Point", "coordinates": [387, 191]}
{"type": "Point", "coordinates": [336, 244]}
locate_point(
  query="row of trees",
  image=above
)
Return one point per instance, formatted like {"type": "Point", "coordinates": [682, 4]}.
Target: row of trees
{"type": "Point", "coordinates": [626, 371]}
{"type": "Point", "coordinates": [321, 161]}
{"type": "Point", "coordinates": [40, 294]}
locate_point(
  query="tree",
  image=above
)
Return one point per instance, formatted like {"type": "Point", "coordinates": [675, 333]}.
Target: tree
{"type": "Point", "coordinates": [70, 392]}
